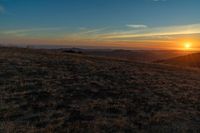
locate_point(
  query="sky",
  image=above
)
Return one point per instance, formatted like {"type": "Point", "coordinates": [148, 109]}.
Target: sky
{"type": "Point", "coordinates": [131, 24]}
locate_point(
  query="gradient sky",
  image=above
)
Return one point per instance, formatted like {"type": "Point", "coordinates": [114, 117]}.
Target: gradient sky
{"type": "Point", "coordinates": [141, 24]}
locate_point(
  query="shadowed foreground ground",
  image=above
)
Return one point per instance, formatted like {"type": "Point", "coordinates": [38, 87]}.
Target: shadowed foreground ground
{"type": "Point", "coordinates": [45, 91]}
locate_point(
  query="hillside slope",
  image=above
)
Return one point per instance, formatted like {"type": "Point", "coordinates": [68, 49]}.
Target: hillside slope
{"type": "Point", "coordinates": [46, 91]}
{"type": "Point", "coordinates": [140, 55]}
{"type": "Point", "coordinates": [132, 55]}
{"type": "Point", "coordinates": [191, 60]}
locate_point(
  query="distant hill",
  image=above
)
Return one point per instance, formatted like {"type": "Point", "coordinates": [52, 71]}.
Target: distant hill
{"type": "Point", "coordinates": [191, 60]}
{"type": "Point", "coordinates": [132, 55]}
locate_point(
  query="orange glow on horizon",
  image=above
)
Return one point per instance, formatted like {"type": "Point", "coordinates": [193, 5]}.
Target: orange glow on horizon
{"type": "Point", "coordinates": [188, 44]}
{"type": "Point", "coordinates": [181, 43]}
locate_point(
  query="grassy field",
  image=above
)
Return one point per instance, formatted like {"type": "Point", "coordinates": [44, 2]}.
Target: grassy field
{"type": "Point", "coordinates": [51, 91]}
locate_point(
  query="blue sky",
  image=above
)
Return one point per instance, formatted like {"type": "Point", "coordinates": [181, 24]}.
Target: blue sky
{"type": "Point", "coordinates": [128, 23]}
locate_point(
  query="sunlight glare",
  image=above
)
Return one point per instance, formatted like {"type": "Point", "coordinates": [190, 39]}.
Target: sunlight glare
{"type": "Point", "coordinates": [187, 45]}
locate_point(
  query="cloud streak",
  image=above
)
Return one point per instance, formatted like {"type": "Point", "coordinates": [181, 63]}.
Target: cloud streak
{"type": "Point", "coordinates": [136, 26]}
{"type": "Point", "coordinates": [156, 31]}
{"type": "Point", "coordinates": [30, 30]}
{"type": "Point", "coordinates": [102, 36]}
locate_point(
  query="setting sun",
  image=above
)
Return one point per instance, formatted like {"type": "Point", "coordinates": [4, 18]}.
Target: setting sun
{"type": "Point", "coordinates": [187, 45]}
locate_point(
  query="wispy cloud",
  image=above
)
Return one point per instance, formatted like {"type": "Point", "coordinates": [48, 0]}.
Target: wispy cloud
{"type": "Point", "coordinates": [30, 30]}
{"type": "Point", "coordinates": [91, 31]}
{"type": "Point", "coordinates": [24, 32]}
{"type": "Point", "coordinates": [156, 31]}
{"type": "Point", "coordinates": [55, 34]}
{"type": "Point", "coordinates": [104, 36]}
{"type": "Point", "coordinates": [136, 26]}
{"type": "Point", "coordinates": [85, 33]}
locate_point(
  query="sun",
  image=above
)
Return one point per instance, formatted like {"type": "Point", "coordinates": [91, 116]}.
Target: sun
{"type": "Point", "coordinates": [187, 45]}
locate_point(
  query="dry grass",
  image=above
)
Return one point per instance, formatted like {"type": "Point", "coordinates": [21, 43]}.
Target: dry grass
{"type": "Point", "coordinates": [47, 91]}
